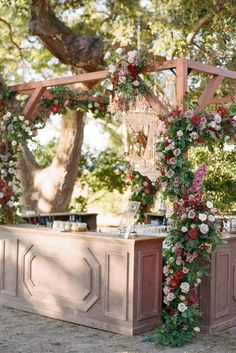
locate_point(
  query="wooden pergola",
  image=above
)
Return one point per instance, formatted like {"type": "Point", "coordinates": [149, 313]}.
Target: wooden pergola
{"type": "Point", "coordinates": [182, 67]}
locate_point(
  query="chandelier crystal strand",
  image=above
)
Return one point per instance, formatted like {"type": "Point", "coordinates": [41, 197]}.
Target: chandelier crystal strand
{"type": "Point", "coordinates": [142, 119]}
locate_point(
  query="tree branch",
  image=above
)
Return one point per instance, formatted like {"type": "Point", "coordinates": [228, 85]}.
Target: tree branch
{"type": "Point", "coordinates": [80, 51]}
{"type": "Point", "coordinates": [204, 21]}
{"type": "Point", "coordinates": [11, 36]}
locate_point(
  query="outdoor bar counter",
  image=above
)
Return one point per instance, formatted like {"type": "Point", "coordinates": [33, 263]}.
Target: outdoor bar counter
{"type": "Point", "coordinates": [92, 279]}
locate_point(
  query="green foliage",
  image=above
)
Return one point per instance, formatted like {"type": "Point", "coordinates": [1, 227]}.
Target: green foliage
{"type": "Point", "coordinates": [45, 154]}
{"type": "Point", "coordinates": [220, 182]}
{"type": "Point", "coordinates": [107, 171]}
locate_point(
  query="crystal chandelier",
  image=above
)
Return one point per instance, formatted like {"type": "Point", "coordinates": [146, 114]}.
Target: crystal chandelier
{"type": "Point", "coordinates": [142, 119]}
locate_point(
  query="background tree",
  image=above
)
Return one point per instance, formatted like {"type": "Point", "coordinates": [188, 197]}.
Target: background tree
{"type": "Point", "coordinates": [72, 36]}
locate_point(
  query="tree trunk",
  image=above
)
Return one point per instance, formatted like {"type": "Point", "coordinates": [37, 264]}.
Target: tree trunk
{"type": "Point", "coordinates": [50, 189]}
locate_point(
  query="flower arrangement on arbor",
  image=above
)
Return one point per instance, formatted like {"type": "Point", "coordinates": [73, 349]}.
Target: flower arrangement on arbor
{"type": "Point", "coordinates": [124, 69]}
{"type": "Point", "coordinates": [193, 236]}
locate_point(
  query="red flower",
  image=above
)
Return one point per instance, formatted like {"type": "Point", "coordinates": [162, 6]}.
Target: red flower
{"type": "Point", "coordinates": [2, 184]}
{"type": "Point", "coordinates": [171, 312]}
{"type": "Point", "coordinates": [193, 234]}
{"type": "Point", "coordinates": [55, 108]}
{"type": "Point", "coordinates": [196, 120]}
{"type": "Point", "coordinates": [223, 111]}
{"type": "Point", "coordinates": [173, 282]}
{"type": "Point", "coordinates": [176, 206]}
{"type": "Point", "coordinates": [178, 252]}
{"type": "Point", "coordinates": [179, 274]}
{"type": "Point", "coordinates": [228, 121]}
{"type": "Point", "coordinates": [133, 71]}
{"type": "Point", "coordinates": [193, 300]}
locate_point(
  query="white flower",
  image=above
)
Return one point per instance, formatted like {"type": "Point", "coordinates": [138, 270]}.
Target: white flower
{"type": "Point", "coordinates": [182, 307]}
{"type": "Point", "coordinates": [166, 290]}
{"type": "Point", "coordinates": [211, 218]}
{"type": "Point", "coordinates": [27, 122]}
{"type": "Point", "coordinates": [136, 83]}
{"type": "Point", "coordinates": [217, 118]}
{"type": "Point", "coordinates": [202, 217]}
{"type": "Point", "coordinates": [119, 51]}
{"type": "Point", "coordinates": [180, 133]}
{"type": "Point", "coordinates": [191, 214]}
{"type": "Point", "coordinates": [1, 195]}
{"type": "Point", "coordinates": [226, 138]}
{"type": "Point", "coordinates": [10, 204]}
{"type": "Point", "coordinates": [0, 206]}
{"type": "Point", "coordinates": [170, 296]}
{"type": "Point", "coordinates": [184, 229]}
{"type": "Point", "coordinates": [130, 59]}
{"type": "Point", "coordinates": [5, 117]}
{"type": "Point", "coordinates": [166, 270]}
{"type": "Point", "coordinates": [213, 124]}
{"type": "Point", "coordinates": [122, 79]}
{"type": "Point", "coordinates": [11, 170]}
{"type": "Point", "coordinates": [199, 280]}
{"type": "Point", "coordinates": [166, 301]}
{"type": "Point", "coordinates": [194, 135]}
{"type": "Point", "coordinates": [185, 286]}
{"type": "Point", "coordinates": [21, 117]}
{"type": "Point", "coordinates": [177, 152]}
{"type": "Point", "coordinates": [196, 329]}
{"type": "Point", "coordinates": [14, 143]}
{"type": "Point", "coordinates": [204, 229]}
{"type": "Point", "coordinates": [214, 210]}
{"type": "Point", "coordinates": [189, 114]}
{"type": "Point", "coordinates": [182, 297]}
{"type": "Point", "coordinates": [185, 270]}
{"type": "Point", "coordinates": [111, 68]}
{"type": "Point", "coordinates": [209, 204]}
{"type": "Point", "coordinates": [170, 173]}
{"type": "Point", "coordinates": [107, 55]}
{"type": "Point", "coordinates": [8, 114]}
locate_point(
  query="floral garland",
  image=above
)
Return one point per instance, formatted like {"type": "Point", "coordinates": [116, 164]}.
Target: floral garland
{"type": "Point", "coordinates": [193, 236]}
{"type": "Point", "coordinates": [14, 130]}
{"type": "Point", "coordinates": [143, 191]}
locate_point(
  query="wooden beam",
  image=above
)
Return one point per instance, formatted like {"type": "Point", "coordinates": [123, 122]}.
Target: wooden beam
{"type": "Point", "coordinates": [208, 92]}
{"type": "Point", "coordinates": [181, 82]}
{"type": "Point", "coordinates": [222, 100]}
{"type": "Point", "coordinates": [33, 101]}
{"type": "Point", "coordinates": [89, 77]}
{"type": "Point", "coordinates": [212, 70]}
{"type": "Point", "coordinates": [160, 66]}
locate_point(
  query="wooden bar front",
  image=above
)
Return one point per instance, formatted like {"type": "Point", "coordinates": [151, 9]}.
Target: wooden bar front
{"type": "Point", "coordinates": [100, 281]}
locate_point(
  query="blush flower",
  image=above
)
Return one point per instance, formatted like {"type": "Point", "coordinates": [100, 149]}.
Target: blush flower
{"type": "Point", "coordinates": [182, 307]}
{"type": "Point", "coordinates": [204, 229]}
{"type": "Point", "coordinates": [185, 286]}
{"type": "Point", "coordinates": [191, 214]}
{"type": "Point", "coordinates": [202, 217]}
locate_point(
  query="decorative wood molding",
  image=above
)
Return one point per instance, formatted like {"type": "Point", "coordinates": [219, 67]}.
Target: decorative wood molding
{"type": "Point", "coordinates": [181, 81]}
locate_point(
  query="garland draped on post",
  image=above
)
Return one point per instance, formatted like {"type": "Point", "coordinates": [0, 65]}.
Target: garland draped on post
{"type": "Point", "coordinates": [193, 235]}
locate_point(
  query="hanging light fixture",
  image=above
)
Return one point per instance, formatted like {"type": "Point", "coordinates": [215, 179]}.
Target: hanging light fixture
{"type": "Point", "coordinates": [143, 120]}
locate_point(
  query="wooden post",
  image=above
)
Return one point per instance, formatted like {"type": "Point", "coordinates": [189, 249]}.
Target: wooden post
{"type": "Point", "coordinates": [181, 82]}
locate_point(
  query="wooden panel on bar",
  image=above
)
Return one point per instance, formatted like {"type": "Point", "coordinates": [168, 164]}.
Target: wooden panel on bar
{"type": "Point", "coordinates": [86, 278]}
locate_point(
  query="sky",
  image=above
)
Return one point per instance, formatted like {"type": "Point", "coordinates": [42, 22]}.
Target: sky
{"type": "Point", "coordinates": [94, 137]}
